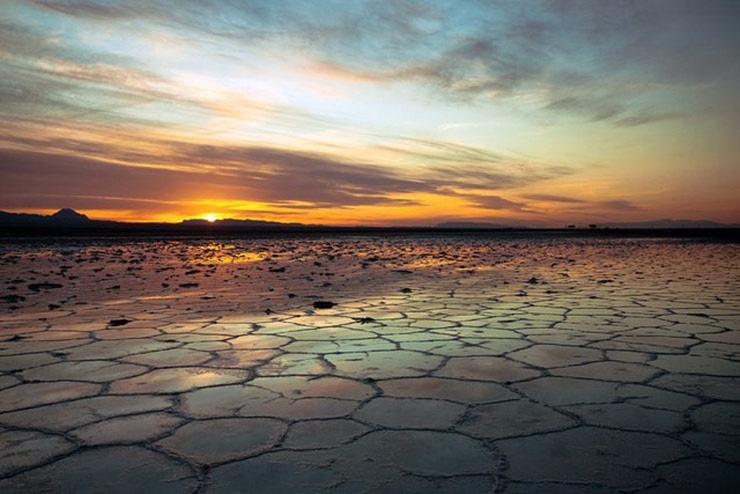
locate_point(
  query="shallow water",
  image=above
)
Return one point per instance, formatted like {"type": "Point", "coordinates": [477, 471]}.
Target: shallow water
{"type": "Point", "coordinates": [460, 364]}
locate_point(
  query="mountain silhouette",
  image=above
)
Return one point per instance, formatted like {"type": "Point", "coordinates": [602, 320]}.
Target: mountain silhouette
{"type": "Point", "coordinates": [69, 221]}
{"type": "Point", "coordinates": [65, 217]}
{"type": "Point", "coordinates": [69, 215]}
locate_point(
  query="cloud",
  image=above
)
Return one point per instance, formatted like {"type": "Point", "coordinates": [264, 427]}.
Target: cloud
{"type": "Point", "coordinates": [94, 10]}
{"type": "Point", "coordinates": [270, 176]}
{"type": "Point", "coordinates": [496, 203]}
{"type": "Point", "coordinates": [647, 117]}
{"type": "Point", "coordinates": [168, 170]}
{"type": "Point", "coordinates": [618, 205]}
{"type": "Point", "coordinates": [626, 63]}
{"type": "Point", "coordinates": [483, 177]}
{"type": "Point", "coordinates": [552, 198]}
{"type": "Point", "coordinates": [444, 151]}
{"type": "Point", "coordinates": [583, 204]}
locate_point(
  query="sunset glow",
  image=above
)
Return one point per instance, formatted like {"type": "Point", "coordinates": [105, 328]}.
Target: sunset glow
{"type": "Point", "coordinates": [372, 113]}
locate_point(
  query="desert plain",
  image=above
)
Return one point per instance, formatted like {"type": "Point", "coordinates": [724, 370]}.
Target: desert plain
{"type": "Point", "coordinates": [430, 363]}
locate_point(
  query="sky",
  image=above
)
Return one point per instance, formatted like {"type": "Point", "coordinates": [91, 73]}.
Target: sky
{"type": "Point", "coordinates": [352, 112]}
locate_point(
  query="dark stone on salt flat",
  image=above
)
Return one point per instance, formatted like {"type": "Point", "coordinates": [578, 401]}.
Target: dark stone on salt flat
{"type": "Point", "coordinates": [16, 338]}
{"type": "Point", "coordinates": [13, 298]}
{"type": "Point", "coordinates": [323, 304]}
{"type": "Point", "coordinates": [118, 322]}
{"type": "Point", "coordinates": [43, 286]}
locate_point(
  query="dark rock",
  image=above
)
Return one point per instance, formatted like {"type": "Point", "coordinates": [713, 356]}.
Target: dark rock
{"type": "Point", "coordinates": [16, 338]}
{"type": "Point", "coordinates": [35, 287]}
{"type": "Point", "coordinates": [323, 304]}
{"type": "Point", "coordinates": [118, 322]}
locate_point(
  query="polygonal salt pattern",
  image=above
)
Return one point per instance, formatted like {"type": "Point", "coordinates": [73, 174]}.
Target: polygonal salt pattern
{"type": "Point", "coordinates": [446, 363]}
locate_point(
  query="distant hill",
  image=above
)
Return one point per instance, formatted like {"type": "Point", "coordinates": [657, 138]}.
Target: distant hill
{"type": "Point", "coordinates": [473, 225]}
{"type": "Point", "coordinates": [669, 223]}
{"type": "Point", "coordinates": [68, 215]}
{"type": "Point", "coordinates": [68, 218]}
{"type": "Point", "coordinates": [63, 217]}
{"type": "Point", "coordinates": [68, 221]}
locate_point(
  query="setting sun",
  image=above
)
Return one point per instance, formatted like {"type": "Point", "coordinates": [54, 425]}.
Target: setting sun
{"type": "Point", "coordinates": [210, 217]}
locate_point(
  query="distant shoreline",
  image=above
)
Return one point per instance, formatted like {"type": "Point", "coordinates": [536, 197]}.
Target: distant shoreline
{"type": "Point", "coordinates": [207, 231]}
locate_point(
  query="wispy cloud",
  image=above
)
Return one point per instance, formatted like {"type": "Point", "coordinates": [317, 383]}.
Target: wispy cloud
{"type": "Point", "coordinates": [553, 198]}
{"type": "Point", "coordinates": [618, 205]}
{"type": "Point", "coordinates": [496, 203]}
{"type": "Point", "coordinates": [577, 204]}
{"type": "Point", "coordinates": [274, 176]}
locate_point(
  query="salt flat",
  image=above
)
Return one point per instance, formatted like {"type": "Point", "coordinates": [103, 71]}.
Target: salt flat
{"type": "Point", "coordinates": [360, 364]}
